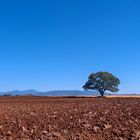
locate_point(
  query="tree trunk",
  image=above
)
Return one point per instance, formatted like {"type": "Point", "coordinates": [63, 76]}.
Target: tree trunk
{"type": "Point", "coordinates": [102, 93]}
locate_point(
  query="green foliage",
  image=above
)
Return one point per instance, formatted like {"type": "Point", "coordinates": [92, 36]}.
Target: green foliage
{"type": "Point", "coordinates": [102, 81]}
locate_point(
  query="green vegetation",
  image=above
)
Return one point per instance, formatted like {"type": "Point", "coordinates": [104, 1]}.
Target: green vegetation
{"type": "Point", "coordinates": [102, 82]}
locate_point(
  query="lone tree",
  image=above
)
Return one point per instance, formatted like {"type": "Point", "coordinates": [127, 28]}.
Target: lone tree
{"type": "Point", "coordinates": [102, 81]}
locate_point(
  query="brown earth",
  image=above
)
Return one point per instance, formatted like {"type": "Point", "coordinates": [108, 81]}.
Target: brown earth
{"type": "Point", "coordinates": [42, 118]}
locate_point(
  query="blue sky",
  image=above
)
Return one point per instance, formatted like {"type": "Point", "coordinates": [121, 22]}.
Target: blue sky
{"type": "Point", "coordinates": [50, 45]}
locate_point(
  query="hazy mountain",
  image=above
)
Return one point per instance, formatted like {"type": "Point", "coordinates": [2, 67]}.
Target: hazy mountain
{"type": "Point", "coordinates": [20, 92]}
{"type": "Point", "coordinates": [67, 93]}
{"type": "Point", "coordinates": [56, 93]}
{"type": "Point", "coordinates": [49, 93]}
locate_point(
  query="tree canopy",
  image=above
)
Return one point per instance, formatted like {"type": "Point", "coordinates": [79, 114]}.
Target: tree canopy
{"type": "Point", "coordinates": [102, 82]}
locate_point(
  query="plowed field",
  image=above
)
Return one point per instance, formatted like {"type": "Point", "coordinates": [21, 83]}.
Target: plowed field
{"type": "Point", "coordinates": [42, 118]}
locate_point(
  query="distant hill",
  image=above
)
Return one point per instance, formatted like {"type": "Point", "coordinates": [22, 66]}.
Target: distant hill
{"type": "Point", "coordinates": [49, 93]}
{"type": "Point", "coordinates": [20, 92]}
{"type": "Point", "coordinates": [67, 93]}
{"type": "Point", "coordinates": [57, 93]}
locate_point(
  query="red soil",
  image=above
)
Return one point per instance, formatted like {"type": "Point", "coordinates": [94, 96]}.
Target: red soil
{"type": "Point", "coordinates": [42, 118]}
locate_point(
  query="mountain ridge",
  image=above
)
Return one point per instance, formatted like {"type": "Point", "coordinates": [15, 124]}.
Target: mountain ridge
{"type": "Point", "coordinates": [34, 92]}
{"type": "Point", "coordinates": [48, 93]}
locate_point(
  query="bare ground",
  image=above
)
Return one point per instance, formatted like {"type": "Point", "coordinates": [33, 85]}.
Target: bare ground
{"type": "Point", "coordinates": [42, 118]}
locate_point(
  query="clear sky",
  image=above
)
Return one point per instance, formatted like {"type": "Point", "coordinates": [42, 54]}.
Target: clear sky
{"type": "Point", "coordinates": [56, 44]}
